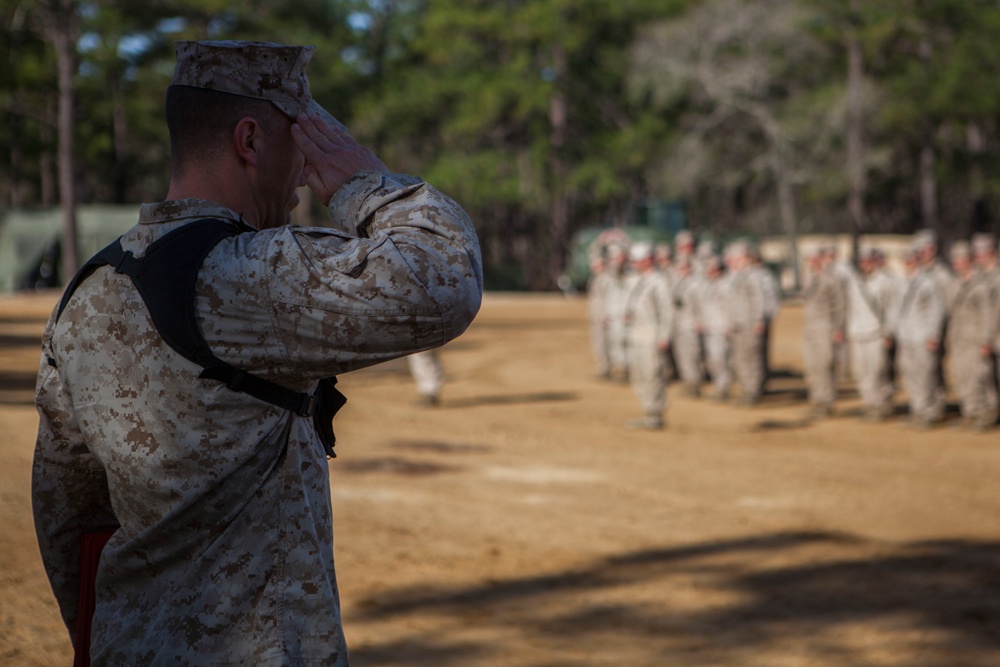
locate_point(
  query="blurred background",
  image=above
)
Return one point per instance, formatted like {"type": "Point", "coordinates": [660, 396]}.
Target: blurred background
{"type": "Point", "coordinates": [545, 119]}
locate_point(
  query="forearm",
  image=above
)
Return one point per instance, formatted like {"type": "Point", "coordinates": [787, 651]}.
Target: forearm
{"type": "Point", "coordinates": [430, 230]}
{"type": "Point", "coordinates": [403, 274]}
{"type": "Point", "coordinates": [69, 491]}
{"type": "Point", "coordinates": [67, 503]}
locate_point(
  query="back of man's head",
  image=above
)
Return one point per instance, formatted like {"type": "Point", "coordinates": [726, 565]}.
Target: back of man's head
{"type": "Point", "coordinates": [201, 123]}
{"type": "Point", "coordinates": [216, 84]}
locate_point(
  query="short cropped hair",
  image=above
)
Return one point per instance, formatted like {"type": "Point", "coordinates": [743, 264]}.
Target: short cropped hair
{"type": "Point", "coordinates": [201, 121]}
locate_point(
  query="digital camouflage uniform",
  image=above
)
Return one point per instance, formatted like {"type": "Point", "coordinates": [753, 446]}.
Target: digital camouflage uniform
{"type": "Point", "coordinates": [223, 552]}
{"type": "Point", "coordinates": [617, 300]}
{"type": "Point", "coordinates": [870, 299]}
{"type": "Point", "coordinates": [598, 293]}
{"type": "Point", "coordinates": [666, 268]}
{"type": "Point", "coordinates": [772, 304]}
{"type": "Point", "coordinates": [747, 307]}
{"type": "Point", "coordinates": [686, 339]}
{"type": "Point", "coordinates": [649, 315]}
{"type": "Point", "coordinates": [970, 326]}
{"type": "Point", "coordinates": [715, 327]}
{"type": "Point", "coordinates": [922, 316]}
{"type": "Point", "coordinates": [824, 312]}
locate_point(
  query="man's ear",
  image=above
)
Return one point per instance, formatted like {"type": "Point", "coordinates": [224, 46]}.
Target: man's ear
{"type": "Point", "coordinates": [247, 137]}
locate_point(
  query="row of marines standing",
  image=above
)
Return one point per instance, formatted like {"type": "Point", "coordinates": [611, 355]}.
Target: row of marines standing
{"type": "Point", "coordinates": [687, 313]}
{"type": "Point", "coordinates": [658, 312]}
{"type": "Point", "coordinates": [904, 327]}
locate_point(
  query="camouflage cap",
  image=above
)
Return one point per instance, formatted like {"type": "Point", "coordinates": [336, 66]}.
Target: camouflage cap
{"type": "Point", "coordinates": [925, 238]}
{"type": "Point", "coordinates": [960, 250]}
{"type": "Point", "coordinates": [640, 251]}
{"type": "Point", "coordinates": [260, 70]}
{"type": "Point", "coordinates": [867, 253]}
{"type": "Point", "coordinates": [617, 250]}
{"type": "Point", "coordinates": [984, 243]}
{"type": "Point", "coordinates": [705, 249]}
{"type": "Point", "coordinates": [737, 248]}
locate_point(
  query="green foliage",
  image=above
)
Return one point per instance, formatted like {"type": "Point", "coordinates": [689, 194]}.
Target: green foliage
{"type": "Point", "coordinates": [525, 110]}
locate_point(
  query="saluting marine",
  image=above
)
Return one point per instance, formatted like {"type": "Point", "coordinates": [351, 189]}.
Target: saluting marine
{"type": "Point", "coordinates": [197, 448]}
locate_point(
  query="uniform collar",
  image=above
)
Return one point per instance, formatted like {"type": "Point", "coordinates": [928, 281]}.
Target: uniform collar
{"type": "Point", "coordinates": [180, 210]}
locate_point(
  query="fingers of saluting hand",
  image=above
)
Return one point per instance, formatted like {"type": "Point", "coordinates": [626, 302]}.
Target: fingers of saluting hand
{"type": "Point", "coordinates": [317, 139]}
{"type": "Point", "coordinates": [332, 156]}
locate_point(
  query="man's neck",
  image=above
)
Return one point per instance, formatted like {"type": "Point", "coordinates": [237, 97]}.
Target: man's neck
{"type": "Point", "coordinates": [209, 184]}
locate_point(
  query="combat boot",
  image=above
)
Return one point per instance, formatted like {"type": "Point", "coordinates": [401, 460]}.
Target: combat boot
{"type": "Point", "coordinates": [648, 423]}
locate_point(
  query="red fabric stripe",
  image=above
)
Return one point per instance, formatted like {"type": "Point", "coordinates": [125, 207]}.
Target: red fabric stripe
{"type": "Point", "coordinates": [91, 545]}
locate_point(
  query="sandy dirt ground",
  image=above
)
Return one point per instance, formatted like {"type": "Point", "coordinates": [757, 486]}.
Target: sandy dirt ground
{"type": "Point", "coordinates": [520, 523]}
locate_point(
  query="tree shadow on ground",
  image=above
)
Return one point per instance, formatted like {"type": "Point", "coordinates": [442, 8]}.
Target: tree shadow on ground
{"type": "Point", "coordinates": [811, 595]}
{"type": "Point", "coordinates": [17, 388]}
{"type": "Point", "coordinates": [21, 340]}
{"type": "Point", "coordinates": [509, 399]}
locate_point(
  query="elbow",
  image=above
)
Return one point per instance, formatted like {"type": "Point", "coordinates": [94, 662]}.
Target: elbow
{"type": "Point", "coordinates": [460, 302]}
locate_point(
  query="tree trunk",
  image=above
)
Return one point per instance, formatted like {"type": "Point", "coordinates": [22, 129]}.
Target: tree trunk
{"type": "Point", "coordinates": [119, 126]}
{"type": "Point", "coordinates": [855, 143]}
{"type": "Point", "coordinates": [16, 122]}
{"type": "Point", "coordinates": [558, 112]}
{"type": "Point", "coordinates": [787, 212]}
{"type": "Point", "coordinates": [61, 28]}
{"type": "Point", "coordinates": [16, 162]}
{"type": "Point", "coordinates": [928, 158]}
{"type": "Point", "coordinates": [980, 219]}
{"type": "Point", "coordinates": [928, 177]}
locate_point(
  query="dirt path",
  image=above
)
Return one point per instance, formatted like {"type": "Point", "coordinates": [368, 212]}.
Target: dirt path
{"type": "Point", "coordinates": [521, 524]}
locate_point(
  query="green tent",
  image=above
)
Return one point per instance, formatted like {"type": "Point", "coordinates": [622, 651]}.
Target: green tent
{"type": "Point", "coordinates": [27, 236]}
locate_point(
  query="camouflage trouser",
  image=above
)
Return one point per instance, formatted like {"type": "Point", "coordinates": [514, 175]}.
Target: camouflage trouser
{"type": "Point", "coordinates": [818, 357]}
{"type": "Point", "coordinates": [870, 365]}
{"type": "Point", "coordinates": [599, 345]}
{"type": "Point", "coordinates": [617, 344]}
{"type": "Point", "coordinates": [921, 373]}
{"type": "Point", "coordinates": [687, 355]}
{"type": "Point", "coordinates": [747, 362]}
{"type": "Point", "coordinates": [645, 371]}
{"type": "Point", "coordinates": [427, 372]}
{"type": "Point", "coordinates": [717, 358]}
{"type": "Point", "coordinates": [974, 381]}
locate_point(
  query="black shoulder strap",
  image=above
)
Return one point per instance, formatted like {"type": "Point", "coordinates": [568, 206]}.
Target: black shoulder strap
{"type": "Point", "coordinates": [166, 278]}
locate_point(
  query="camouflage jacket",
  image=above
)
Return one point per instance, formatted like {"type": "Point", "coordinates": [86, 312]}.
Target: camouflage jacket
{"type": "Point", "coordinates": [598, 293]}
{"type": "Point", "coordinates": [972, 313]}
{"type": "Point", "coordinates": [824, 306]}
{"type": "Point", "coordinates": [687, 297]}
{"type": "Point", "coordinates": [923, 310]}
{"type": "Point", "coordinates": [714, 310]}
{"type": "Point", "coordinates": [650, 308]}
{"type": "Point", "coordinates": [223, 552]}
{"type": "Point", "coordinates": [869, 304]}
{"type": "Point", "coordinates": [747, 301]}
